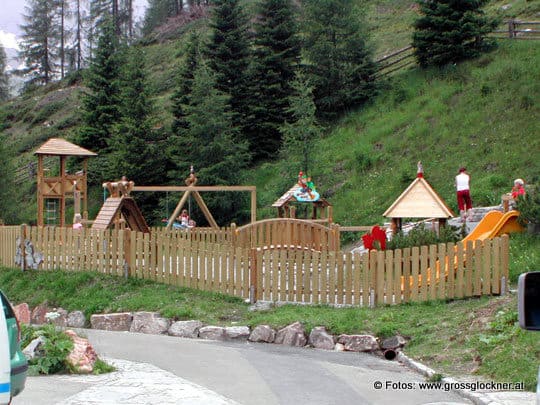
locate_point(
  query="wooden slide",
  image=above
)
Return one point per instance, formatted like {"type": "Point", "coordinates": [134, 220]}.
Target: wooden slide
{"type": "Point", "coordinates": [126, 206]}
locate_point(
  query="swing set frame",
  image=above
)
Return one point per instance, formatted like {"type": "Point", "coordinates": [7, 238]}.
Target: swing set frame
{"type": "Point", "coordinates": [195, 190]}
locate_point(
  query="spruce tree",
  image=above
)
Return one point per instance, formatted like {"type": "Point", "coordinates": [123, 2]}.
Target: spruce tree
{"type": "Point", "coordinates": [101, 103]}
{"type": "Point", "coordinates": [4, 80]}
{"type": "Point", "coordinates": [339, 61]}
{"type": "Point", "coordinates": [229, 56]}
{"type": "Point", "coordinates": [40, 38]}
{"type": "Point", "coordinates": [135, 149]}
{"type": "Point", "coordinates": [212, 144]}
{"type": "Point", "coordinates": [9, 204]}
{"type": "Point", "coordinates": [184, 83]}
{"type": "Point", "coordinates": [450, 31]}
{"type": "Point", "coordinates": [276, 57]}
{"type": "Point", "coordinates": [300, 133]}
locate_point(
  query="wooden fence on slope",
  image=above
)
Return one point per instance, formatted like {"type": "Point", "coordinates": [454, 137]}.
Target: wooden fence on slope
{"type": "Point", "coordinates": [516, 29]}
{"type": "Point", "coordinates": [418, 274]}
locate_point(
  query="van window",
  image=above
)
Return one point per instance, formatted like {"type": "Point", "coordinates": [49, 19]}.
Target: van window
{"type": "Point", "coordinates": [8, 311]}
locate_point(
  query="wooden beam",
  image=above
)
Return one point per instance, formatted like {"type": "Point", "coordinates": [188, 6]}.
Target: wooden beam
{"type": "Point", "coordinates": [205, 210]}
{"type": "Point", "coordinates": [194, 188]}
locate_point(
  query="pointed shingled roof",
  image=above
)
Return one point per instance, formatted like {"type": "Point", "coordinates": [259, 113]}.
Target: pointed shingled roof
{"type": "Point", "coordinates": [419, 200]}
{"type": "Point", "coordinates": [61, 147]}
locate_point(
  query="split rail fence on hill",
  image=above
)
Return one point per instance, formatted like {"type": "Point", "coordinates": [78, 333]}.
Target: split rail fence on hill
{"type": "Point", "coordinates": [210, 261]}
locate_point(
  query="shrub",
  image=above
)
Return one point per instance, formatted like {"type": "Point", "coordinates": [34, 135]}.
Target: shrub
{"type": "Point", "coordinates": [528, 206]}
{"type": "Point", "coordinates": [421, 236]}
{"type": "Point", "coordinates": [56, 347]}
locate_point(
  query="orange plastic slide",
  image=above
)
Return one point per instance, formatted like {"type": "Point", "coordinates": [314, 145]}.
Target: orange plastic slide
{"type": "Point", "coordinates": [495, 223]}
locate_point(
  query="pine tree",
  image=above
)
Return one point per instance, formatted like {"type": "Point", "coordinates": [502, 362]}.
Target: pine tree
{"type": "Point", "coordinates": [212, 144]}
{"type": "Point", "coordinates": [62, 7]}
{"type": "Point", "coordinates": [8, 200]}
{"type": "Point", "coordinates": [135, 148]}
{"type": "Point", "coordinates": [300, 133]}
{"type": "Point", "coordinates": [102, 103]}
{"type": "Point", "coordinates": [275, 60]}
{"type": "Point", "coordinates": [181, 96]}
{"type": "Point", "coordinates": [339, 62]}
{"type": "Point", "coordinates": [39, 48]}
{"type": "Point", "coordinates": [4, 79]}
{"type": "Point", "coordinates": [229, 56]}
{"type": "Point", "coordinates": [450, 31]}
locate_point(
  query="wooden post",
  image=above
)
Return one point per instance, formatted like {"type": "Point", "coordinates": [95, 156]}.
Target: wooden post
{"type": "Point", "coordinates": [127, 252]}
{"type": "Point", "coordinates": [254, 206]}
{"type": "Point", "coordinates": [23, 253]}
{"type": "Point", "coordinates": [40, 185]}
{"type": "Point", "coordinates": [511, 29]}
{"type": "Point", "coordinates": [330, 214]}
{"type": "Point", "coordinates": [253, 277]}
{"type": "Point", "coordinates": [84, 189]}
{"type": "Point", "coordinates": [62, 191]}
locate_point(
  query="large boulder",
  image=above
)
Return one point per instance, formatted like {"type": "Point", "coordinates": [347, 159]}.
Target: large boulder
{"type": "Point", "coordinates": [262, 333]}
{"type": "Point", "coordinates": [359, 343]}
{"type": "Point", "coordinates": [22, 312]}
{"type": "Point", "coordinates": [151, 323]}
{"type": "Point", "coordinates": [319, 338]}
{"type": "Point", "coordinates": [76, 319]}
{"type": "Point", "coordinates": [33, 349]}
{"type": "Point", "coordinates": [394, 342]}
{"type": "Point", "coordinates": [212, 333]}
{"type": "Point", "coordinates": [292, 335]}
{"type": "Point", "coordinates": [186, 329]}
{"type": "Point", "coordinates": [39, 313]}
{"type": "Point", "coordinates": [83, 356]}
{"type": "Point", "coordinates": [120, 322]}
{"type": "Point", "coordinates": [237, 332]}
{"type": "Point", "coordinates": [57, 317]}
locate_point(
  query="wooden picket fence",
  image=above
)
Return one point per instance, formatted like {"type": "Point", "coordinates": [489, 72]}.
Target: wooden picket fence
{"type": "Point", "coordinates": [289, 274]}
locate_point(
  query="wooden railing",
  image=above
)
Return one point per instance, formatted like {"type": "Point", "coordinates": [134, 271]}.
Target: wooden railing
{"type": "Point", "coordinates": [515, 29]}
{"type": "Point", "coordinates": [287, 232]}
{"type": "Point", "coordinates": [395, 61]}
{"type": "Point", "coordinates": [444, 271]}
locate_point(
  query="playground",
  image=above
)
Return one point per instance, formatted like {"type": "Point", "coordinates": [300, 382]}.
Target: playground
{"type": "Point", "coordinates": [279, 259]}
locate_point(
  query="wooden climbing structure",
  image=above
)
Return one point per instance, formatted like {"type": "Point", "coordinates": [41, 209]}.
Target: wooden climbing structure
{"type": "Point", "coordinates": [120, 211]}
{"type": "Point", "coordinates": [58, 187]}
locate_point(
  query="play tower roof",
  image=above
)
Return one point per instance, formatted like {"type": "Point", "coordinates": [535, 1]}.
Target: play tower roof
{"type": "Point", "coordinates": [61, 147]}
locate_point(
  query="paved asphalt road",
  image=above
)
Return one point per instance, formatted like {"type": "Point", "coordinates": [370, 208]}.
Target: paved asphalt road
{"type": "Point", "coordinates": [170, 370]}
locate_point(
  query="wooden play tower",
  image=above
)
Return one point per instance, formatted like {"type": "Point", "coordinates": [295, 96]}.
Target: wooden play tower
{"type": "Point", "coordinates": [61, 186]}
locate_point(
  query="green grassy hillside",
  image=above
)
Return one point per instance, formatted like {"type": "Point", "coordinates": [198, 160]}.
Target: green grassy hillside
{"type": "Point", "coordinates": [482, 114]}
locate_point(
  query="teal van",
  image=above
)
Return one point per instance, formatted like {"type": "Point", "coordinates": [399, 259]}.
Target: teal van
{"type": "Point", "coordinates": [19, 364]}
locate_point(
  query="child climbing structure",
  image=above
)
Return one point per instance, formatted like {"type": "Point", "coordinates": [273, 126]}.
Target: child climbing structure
{"type": "Point", "coordinates": [53, 191]}
{"type": "Point", "coordinates": [120, 209]}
